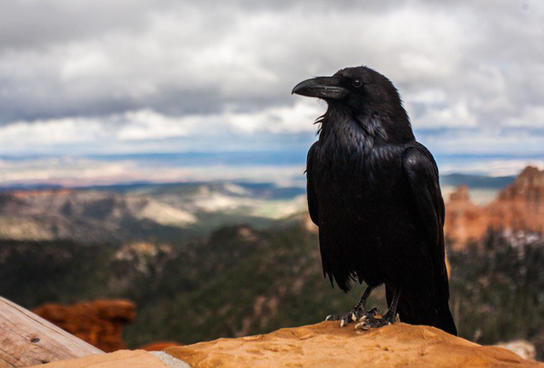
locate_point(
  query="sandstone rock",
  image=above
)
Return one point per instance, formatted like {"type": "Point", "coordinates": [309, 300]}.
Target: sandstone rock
{"type": "Point", "coordinates": [518, 207]}
{"type": "Point", "coordinates": [327, 345]}
{"type": "Point", "coordinates": [464, 220]}
{"type": "Point", "coordinates": [99, 322]}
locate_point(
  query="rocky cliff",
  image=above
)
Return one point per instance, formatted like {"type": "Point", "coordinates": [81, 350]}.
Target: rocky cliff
{"type": "Point", "coordinates": [464, 219]}
{"type": "Point", "coordinates": [99, 322]}
{"type": "Point", "coordinates": [518, 207]}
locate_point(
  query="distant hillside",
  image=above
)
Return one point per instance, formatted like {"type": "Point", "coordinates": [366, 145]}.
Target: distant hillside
{"type": "Point", "coordinates": [164, 212]}
{"type": "Point", "coordinates": [235, 188]}
{"type": "Point", "coordinates": [89, 217]}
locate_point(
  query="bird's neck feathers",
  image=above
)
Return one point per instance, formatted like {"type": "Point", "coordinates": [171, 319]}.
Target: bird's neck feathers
{"type": "Point", "coordinates": [388, 127]}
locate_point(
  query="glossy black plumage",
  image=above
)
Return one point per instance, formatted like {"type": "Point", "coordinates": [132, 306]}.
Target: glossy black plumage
{"type": "Point", "coordinates": [375, 195]}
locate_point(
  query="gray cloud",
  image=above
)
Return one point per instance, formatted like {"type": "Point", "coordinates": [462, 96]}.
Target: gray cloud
{"type": "Point", "coordinates": [458, 65]}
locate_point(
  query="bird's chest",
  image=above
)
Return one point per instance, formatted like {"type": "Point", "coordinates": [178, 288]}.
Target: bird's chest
{"type": "Point", "coordinates": [352, 167]}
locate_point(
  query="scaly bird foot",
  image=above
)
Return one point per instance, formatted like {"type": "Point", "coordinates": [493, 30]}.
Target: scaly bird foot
{"type": "Point", "coordinates": [354, 315]}
{"type": "Point", "coordinates": [367, 322]}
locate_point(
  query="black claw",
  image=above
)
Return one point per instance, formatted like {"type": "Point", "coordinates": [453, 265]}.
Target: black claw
{"type": "Point", "coordinates": [370, 321]}
{"type": "Point", "coordinates": [354, 315]}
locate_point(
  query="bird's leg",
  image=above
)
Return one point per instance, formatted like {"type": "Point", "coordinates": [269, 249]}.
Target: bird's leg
{"type": "Point", "coordinates": [369, 321]}
{"type": "Point", "coordinates": [356, 313]}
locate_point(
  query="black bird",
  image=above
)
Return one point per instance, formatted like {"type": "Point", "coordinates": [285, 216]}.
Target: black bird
{"type": "Point", "coordinates": [373, 191]}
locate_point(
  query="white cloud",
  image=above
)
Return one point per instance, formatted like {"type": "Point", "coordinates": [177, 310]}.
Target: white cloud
{"type": "Point", "coordinates": [148, 124]}
{"type": "Point", "coordinates": [282, 119]}
{"type": "Point", "coordinates": [457, 115]}
{"type": "Point", "coordinates": [69, 171]}
{"type": "Point", "coordinates": [529, 116]}
{"type": "Point", "coordinates": [65, 170]}
{"type": "Point", "coordinates": [133, 127]}
{"type": "Point", "coordinates": [491, 167]}
{"type": "Point", "coordinates": [136, 76]}
{"type": "Point", "coordinates": [50, 132]}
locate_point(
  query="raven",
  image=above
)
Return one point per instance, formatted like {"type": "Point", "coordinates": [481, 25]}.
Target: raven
{"type": "Point", "coordinates": [374, 193]}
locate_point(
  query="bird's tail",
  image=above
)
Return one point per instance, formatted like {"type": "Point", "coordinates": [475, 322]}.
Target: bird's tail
{"type": "Point", "coordinates": [425, 310]}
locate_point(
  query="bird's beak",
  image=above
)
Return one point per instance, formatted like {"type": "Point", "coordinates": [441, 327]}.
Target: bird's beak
{"type": "Point", "coordinates": [322, 87]}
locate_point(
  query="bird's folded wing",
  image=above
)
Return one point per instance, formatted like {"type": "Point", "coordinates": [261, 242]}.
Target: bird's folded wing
{"type": "Point", "coordinates": [310, 190]}
{"type": "Point", "coordinates": [422, 174]}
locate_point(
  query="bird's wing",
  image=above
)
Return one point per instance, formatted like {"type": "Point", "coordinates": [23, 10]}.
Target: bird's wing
{"type": "Point", "coordinates": [422, 173]}
{"type": "Point", "coordinates": [310, 190]}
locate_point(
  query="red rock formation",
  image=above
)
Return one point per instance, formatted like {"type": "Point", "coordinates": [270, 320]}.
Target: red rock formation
{"type": "Point", "coordinates": [520, 206]}
{"type": "Point", "coordinates": [464, 220]}
{"type": "Point", "coordinates": [99, 322]}
{"type": "Point", "coordinates": [158, 346]}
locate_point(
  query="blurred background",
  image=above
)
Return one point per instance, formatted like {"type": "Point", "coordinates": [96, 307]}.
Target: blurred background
{"type": "Point", "coordinates": [152, 157]}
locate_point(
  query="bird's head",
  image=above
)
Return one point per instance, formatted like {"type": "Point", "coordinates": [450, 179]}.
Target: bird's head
{"type": "Point", "coordinates": [358, 87]}
{"type": "Point", "coordinates": [366, 93]}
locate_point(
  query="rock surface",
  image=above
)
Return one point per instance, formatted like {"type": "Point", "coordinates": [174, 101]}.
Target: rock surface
{"type": "Point", "coordinates": [518, 207]}
{"type": "Point", "coordinates": [99, 322]}
{"type": "Point", "coordinates": [327, 345]}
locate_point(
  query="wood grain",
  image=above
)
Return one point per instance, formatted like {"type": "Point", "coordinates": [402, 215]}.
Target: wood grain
{"type": "Point", "coordinates": [27, 339]}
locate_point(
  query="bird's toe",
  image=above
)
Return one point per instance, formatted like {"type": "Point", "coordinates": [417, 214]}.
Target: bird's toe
{"type": "Point", "coordinates": [373, 320]}
{"type": "Point", "coordinates": [351, 316]}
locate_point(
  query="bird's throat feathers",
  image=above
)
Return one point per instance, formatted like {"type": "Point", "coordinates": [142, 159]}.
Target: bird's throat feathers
{"type": "Point", "coordinates": [379, 127]}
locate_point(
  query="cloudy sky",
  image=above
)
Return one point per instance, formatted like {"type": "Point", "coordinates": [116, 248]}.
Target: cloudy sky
{"type": "Point", "coordinates": [85, 80]}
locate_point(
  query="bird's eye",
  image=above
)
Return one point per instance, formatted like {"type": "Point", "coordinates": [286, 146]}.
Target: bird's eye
{"type": "Point", "coordinates": [357, 83]}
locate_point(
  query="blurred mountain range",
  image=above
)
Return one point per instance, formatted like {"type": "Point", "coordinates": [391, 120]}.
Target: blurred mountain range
{"type": "Point", "coordinates": [173, 212]}
{"type": "Point", "coordinates": [158, 212]}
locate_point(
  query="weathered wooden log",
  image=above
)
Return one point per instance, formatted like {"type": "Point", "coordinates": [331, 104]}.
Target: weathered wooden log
{"type": "Point", "coordinates": [27, 339]}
